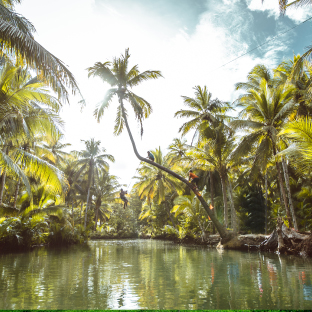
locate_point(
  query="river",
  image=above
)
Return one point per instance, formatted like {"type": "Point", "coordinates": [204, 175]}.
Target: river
{"type": "Point", "coordinates": [150, 274]}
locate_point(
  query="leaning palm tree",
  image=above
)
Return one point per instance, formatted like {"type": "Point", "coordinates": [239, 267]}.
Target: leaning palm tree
{"type": "Point", "coordinates": [153, 183]}
{"type": "Point", "coordinates": [92, 161]}
{"type": "Point", "coordinates": [122, 79]}
{"type": "Point", "coordinates": [16, 34]}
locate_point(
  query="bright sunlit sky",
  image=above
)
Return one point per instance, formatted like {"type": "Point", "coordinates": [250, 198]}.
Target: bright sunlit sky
{"type": "Point", "coordinates": [187, 40]}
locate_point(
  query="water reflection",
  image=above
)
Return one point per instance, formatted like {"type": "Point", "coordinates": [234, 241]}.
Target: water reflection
{"type": "Point", "coordinates": [145, 274]}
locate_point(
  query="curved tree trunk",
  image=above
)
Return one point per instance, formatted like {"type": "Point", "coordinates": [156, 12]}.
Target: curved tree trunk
{"type": "Point", "coordinates": [292, 210]}
{"type": "Point", "coordinates": [224, 234]}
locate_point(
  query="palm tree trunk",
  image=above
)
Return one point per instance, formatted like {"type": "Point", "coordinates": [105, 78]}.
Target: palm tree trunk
{"type": "Point", "coordinates": [224, 234]}
{"type": "Point", "coordinates": [286, 176]}
{"type": "Point", "coordinates": [81, 211]}
{"type": "Point", "coordinates": [266, 203]}
{"type": "Point", "coordinates": [73, 211]}
{"type": "Point", "coordinates": [283, 193]}
{"type": "Point", "coordinates": [96, 216]}
{"type": "Point", "coordinates": [3, 176]}
{"type": "Point", "coordinates": [16, 192]}
{"type": "Point", "coordinates": [170, 217]}
{"type": "Point", "coordinates": [212, 200]}
{"type": "Point", "coordinates": [223, 182]}
{"type": "Point", "coordinates": [86, 212]}
{"type": "Point", "coordinates": [233, 213]}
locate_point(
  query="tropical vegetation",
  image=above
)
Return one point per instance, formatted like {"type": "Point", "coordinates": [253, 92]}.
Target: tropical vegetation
{"type": "Point", "coordinates": [253, 156]}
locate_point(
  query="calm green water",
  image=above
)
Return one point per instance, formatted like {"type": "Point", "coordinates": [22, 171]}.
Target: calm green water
{"type": "Point", "coordinates": [146, 274]}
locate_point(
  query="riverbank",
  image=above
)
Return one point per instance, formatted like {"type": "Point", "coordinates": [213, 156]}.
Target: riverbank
{"type": "Point", "coordinates": [292, 245]}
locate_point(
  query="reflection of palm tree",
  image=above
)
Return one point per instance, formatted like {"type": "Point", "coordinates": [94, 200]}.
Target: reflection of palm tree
{"type": "Point", "coordinates": [121, 79]}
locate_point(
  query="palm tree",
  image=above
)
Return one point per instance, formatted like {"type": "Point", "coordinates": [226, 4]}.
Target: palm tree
{"type": "Point", "coordinates": [202, 109]}
{"type": "Point", "coordinates": [215, 153]}
{"type": "Point", "coordinates": [92, 162]}
{"type": "Point", "coordinates": [105, 191]}
{"type": "Point", "coordinates": [26, 110]}
{"type": "Point", "coordinates": [177, 150]}
{"type": "Point", "coordinates": [52, 149]}
{"type": "Point", "coordinates": [122, 79]}
{"type": "Point", "coordinates": [154, 184]}
{"type": "Point", "coordinates": [300, 133]}
{"type": "Point", "coordinates": [267, 109]}
{"type": "Point", "coordinates": [298, 75]}
{"type": "Point", "coordinates": [16, 34]}
{"type": "Point", "coordinates": [190, 206]}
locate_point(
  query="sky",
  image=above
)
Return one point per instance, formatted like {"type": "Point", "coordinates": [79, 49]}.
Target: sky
{"type": "Point", "coordinates": [189, 41]}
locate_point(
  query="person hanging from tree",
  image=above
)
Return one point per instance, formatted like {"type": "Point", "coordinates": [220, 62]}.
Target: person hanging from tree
{"type": "Point", "coordinates": [122, 195]}
{"type": "Point", "coordinates": [193, 178]}
{"type": "Point", "coordinates": [150, 156]}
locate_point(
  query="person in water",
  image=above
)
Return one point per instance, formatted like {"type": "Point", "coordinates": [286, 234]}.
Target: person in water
{"type": "Point", "coordinates": [193, 178]}
{"type": "Point", "coordinates": [122, 195]}
{"type": "Point", "coordinates": [150, 156]}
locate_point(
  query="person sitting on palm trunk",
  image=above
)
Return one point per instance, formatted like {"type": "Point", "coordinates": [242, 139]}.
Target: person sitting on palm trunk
{"type": "Point", "coordinates": [193, 178]}
{"type": "Point", "coordinates": [122, 195]}
{"type": "Point", "coordinates": [150, 156]}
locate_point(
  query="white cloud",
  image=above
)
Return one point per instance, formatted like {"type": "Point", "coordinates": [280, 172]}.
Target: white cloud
{"type": "Point", "coordinates": [297, 14]}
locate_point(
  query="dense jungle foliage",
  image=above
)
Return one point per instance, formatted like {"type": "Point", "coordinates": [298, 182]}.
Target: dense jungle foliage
{"type": "Point", "coordinates": [252, 156]}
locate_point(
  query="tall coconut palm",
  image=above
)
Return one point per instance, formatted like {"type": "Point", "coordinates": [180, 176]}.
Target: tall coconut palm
{"type": "Point", "coordinates": [105, 191]}
{"type": "Point", "coordinates": [215, 153]}
{"type": "Point", "coordinates": [122, 79]}
{"type": "Point", "coordinates": [92, 161]}
{"type": "Point", "coordinates": [16, 34]}
{"type": "Point", "coordinates": [267, 109]}
{"type": "Point", "coordinates": [202, 110]}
